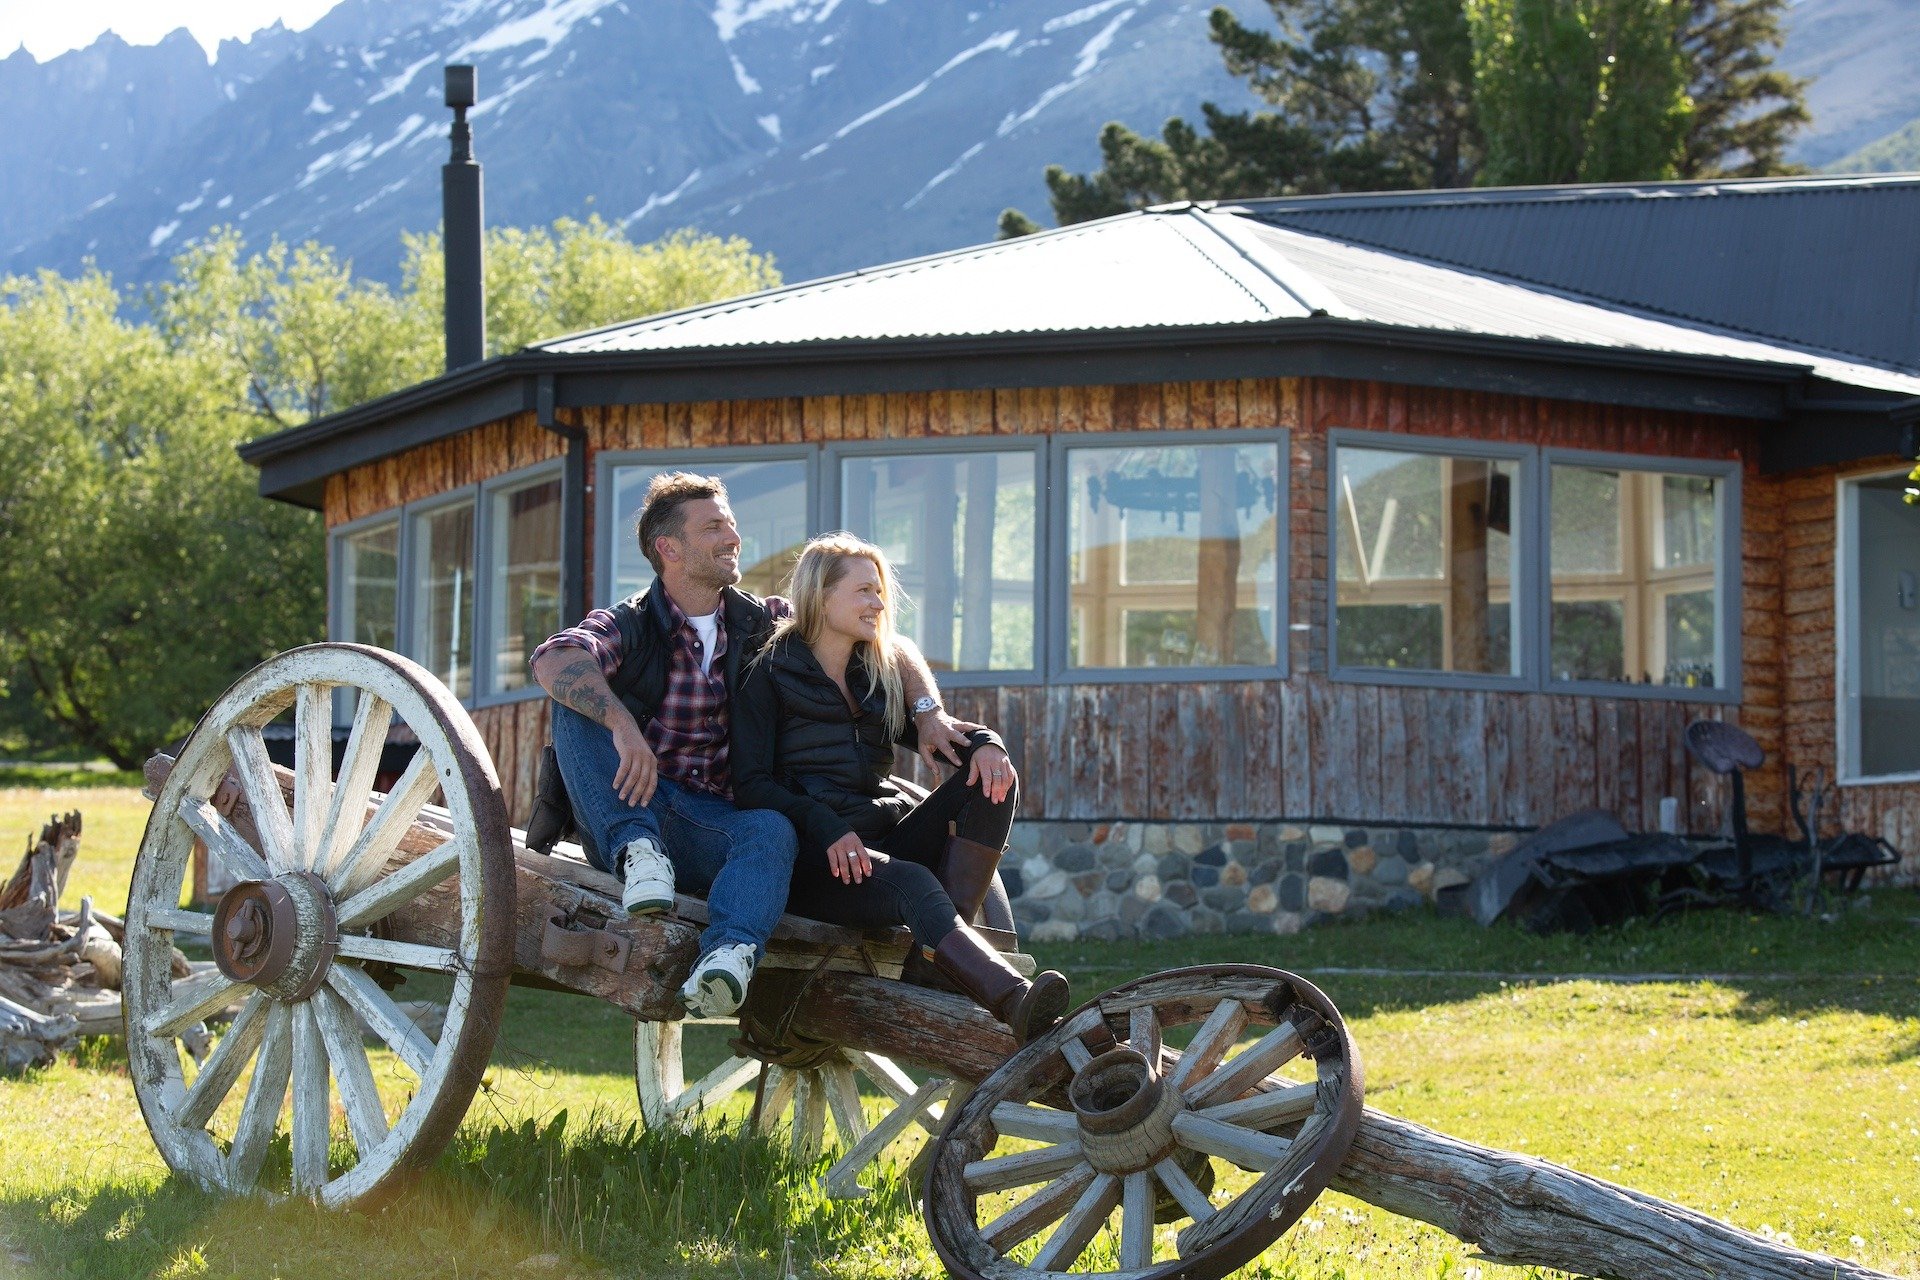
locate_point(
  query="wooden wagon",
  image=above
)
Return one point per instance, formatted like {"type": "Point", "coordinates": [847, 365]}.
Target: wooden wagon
{"type": "Point", "coordinates": [340, 887]}
{"type": "Point", "coordinates": [1100, 1123]}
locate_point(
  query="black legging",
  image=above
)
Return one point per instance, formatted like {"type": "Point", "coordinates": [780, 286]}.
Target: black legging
{"type": "Point", "coordinates": [903, 888]}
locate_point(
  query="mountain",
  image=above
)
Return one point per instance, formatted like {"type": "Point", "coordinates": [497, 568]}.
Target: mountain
{"type": "Point", "coordinates": [833, 133]}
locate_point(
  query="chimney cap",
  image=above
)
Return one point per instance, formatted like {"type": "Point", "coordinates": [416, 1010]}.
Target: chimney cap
{"type": "Point", "coordinates": [463, 86]}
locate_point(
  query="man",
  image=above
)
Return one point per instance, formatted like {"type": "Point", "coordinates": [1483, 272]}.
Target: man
{"type": "Point", "coordinates": [642, 695]}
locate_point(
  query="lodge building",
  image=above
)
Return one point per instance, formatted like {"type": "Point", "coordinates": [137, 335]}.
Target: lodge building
{"type": "Point", "coordinates": [1302, 549]}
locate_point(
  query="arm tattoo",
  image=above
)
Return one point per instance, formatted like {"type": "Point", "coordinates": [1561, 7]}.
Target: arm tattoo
{"type": "Point", "coordinates": [573, 687]}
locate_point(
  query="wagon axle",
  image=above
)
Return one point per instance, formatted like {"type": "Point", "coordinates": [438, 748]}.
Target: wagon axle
{"type": "Point", "coordinates": [280, 935]}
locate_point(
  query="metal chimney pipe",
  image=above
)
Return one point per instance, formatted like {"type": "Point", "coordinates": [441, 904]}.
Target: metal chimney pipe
{"type": "Point", "coordinates": [466, 309]}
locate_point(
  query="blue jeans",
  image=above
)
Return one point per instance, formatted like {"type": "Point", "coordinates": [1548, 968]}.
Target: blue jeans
{"type": "Point", "coordinates": [738, 859]}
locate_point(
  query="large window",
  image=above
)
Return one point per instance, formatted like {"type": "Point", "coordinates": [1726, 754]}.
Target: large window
{"type": "Point", "coordinates": [1425, 556]}
{"type": "Point", "coordinates": [960, 530]}
{"type": "Point", "coordinates": [368, 585]}
{"type": "Point", "coordinates": [1448, 568]}
{"type": "Point", "coordinates": [771, 501]}
{"type": "Point", "coordinates": [1635, 576]}
{"type": "Point", "coordinates": [1172, 555]}
{"type": "Point", "coordinates": [1879, 630]}
{"type": "Point", "coordinates": [523, 582]}
{"type": "Point", "coordinates": [466, 584]}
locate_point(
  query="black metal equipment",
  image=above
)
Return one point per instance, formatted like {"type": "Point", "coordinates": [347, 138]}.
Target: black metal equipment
{"type": "Point", "coordinates": [460, 203]}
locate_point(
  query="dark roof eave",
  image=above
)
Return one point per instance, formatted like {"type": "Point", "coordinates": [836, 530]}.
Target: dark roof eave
{"type": "Point", "coordinates": [293, 463]}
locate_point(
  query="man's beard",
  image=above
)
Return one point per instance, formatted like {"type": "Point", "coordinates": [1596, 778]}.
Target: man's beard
{"type": "Point", "coordinates": [714, 573]}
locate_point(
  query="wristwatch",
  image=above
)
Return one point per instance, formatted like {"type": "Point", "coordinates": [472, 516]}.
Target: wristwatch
{"type": "Point", "coordinates": [923, 704]}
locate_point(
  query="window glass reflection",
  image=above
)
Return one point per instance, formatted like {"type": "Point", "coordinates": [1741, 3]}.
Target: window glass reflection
{"type": "Point", "coordinates": [959, 529]}
{"type": "Point", "coordinates": [442, 625]}
{"type": "Point", "coordinates": [1424, 561]}
{"type": "Point", "coordinates": [1634, 581]}
{"type": "Point", "coordinates": [769, 501]}
{"type": "Point", "coordinates": [523, 600]}
{"type": "Point", "coordinates": [1172, 555]}
{"type": "Point", "coordinates": [370, 585]}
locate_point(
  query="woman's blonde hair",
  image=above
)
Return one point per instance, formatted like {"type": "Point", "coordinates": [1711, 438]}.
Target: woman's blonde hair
{"type": "Point", "coordinates": [823, 563]}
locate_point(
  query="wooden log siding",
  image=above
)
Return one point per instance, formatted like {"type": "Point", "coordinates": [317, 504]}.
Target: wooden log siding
{"type": "Point", "coordinates": [1309, 747]}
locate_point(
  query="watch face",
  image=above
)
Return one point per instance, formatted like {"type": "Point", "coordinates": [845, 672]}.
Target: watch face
{"type": "Point", "coordinates": [923, 705]}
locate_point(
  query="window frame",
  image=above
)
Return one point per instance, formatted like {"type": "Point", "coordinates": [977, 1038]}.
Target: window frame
{"type": "Point", "coordinates": [1846, 668]}
{"type": "Point", "coordinates": [336, 571]}
{"type": "Point", "coordinates": [409, 561]}
{"type": "Point", "coordinates": [835, 453]}
{"type": "Point", "coordinates": [1523, 585]}
{"type": "Point", "coordinates": [520, 478]}
{"type": "Point", "coordinates": [607, 532]}
{"type": "Point", "coordinates": [1058, 597]}
{"type": "Point", "coordinates": [1729, 586]}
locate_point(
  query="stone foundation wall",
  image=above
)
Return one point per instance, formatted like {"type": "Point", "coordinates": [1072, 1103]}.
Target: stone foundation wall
{"type": "Point", "coordinates": [1166, 879]}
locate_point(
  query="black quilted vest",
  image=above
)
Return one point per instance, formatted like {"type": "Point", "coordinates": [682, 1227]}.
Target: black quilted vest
{"type": "Point", "coordinates": [646, 645]}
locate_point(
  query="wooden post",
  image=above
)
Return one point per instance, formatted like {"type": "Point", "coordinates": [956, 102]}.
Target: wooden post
{"type": "Point", "coordinates": [1467, 563]}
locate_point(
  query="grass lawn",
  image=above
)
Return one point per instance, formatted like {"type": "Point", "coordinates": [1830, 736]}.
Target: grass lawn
{"type": "Point", "coordinates": [1782, 1094]}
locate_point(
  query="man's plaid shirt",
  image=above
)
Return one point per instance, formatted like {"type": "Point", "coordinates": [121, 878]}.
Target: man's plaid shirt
{"type": "Point", "coordinates": [688, 732]}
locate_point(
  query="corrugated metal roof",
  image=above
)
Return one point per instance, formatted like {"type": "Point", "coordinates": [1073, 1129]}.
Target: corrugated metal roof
{"type": "Point", "coordinates": [1136, 271]}
{"type": "Point", "coordinates": [1187, 266]}
{"type": "Point", "coordinates": [1825, 263]}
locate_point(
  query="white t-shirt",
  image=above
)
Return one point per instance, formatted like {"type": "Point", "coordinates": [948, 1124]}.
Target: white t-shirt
{"type": "Point", "coordinates": [707, 627]}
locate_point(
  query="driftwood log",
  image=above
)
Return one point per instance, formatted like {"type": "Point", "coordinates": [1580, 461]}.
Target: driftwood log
{"type": "Point", "coordinates": [1516, 1209]}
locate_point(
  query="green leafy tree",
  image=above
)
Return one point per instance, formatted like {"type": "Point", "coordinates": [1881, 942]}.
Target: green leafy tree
{"type": "Point", "coordinates": [544, 282]}
{"type": "Point", "coordinates": [142, 571]}
{"type": "Point", "coordinates": [1579, 90]}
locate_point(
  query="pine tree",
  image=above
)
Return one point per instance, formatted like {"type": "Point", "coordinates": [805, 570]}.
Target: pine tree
{"type": "Point", "coordinates": [1745, 109]}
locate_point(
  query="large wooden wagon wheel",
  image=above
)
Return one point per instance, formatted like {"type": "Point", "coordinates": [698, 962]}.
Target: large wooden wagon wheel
{"type": "Point", "coordinates": [826, 1086]}
{"type": "Point", "coordinates": [1126, 1124]}
{"type": "Point", "coordinates": [294, 937]}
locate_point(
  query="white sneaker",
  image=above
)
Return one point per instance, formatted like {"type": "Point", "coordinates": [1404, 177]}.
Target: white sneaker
{"type": "Point", "coordinates": [719, 981]}
{"type": "Point", "coordinates": [649, 879]}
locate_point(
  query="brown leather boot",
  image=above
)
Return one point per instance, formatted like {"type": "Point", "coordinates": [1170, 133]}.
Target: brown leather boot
{"type": "Point", "coordinates": [966, 873]}
{"type": "Point", "coordinates": [1028, 1008]}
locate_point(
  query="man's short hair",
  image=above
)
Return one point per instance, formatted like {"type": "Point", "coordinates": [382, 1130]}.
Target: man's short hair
{"type": "Point", "coordinates": [662, 513]}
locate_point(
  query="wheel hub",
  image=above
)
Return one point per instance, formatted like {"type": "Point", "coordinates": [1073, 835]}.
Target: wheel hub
{"type": "Point", "coordinates": [1125, 1112]}
{"type": "Point", "coordinates": [279, 935]}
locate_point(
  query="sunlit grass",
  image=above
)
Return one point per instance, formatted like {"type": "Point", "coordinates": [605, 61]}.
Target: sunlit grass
{"type": "Point", "coordinates": [1787, 1102]}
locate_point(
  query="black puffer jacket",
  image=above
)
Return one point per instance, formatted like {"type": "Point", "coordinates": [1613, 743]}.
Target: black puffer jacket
{"type": "Point", "coordinates": [798, 748]}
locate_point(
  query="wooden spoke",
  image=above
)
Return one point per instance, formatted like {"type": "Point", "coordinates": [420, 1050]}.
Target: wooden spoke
{"type": "Point", "coordinates": [362, 864]}
{"type": "Point", "coordinates": [898, 1085]}
{"type": "Point", "coordinates": [193, 1001]}
{"type": "Point", "coordinates": [1252, 1065]}
{"type": "Point", "coordinates": [717, 1083]}
{"type": "Point", "coordinates": [1211, 1042]}
{"type": "Point", "coordinates": [264, 797]}
{"type": "Point", "coordinates": [411, 955]}
{"type": "Point", "coordinates": [1030, 1120]}
{"type": "Point", "coordinates": [1265, 1110]}
{"type": "Point", "coordinates": [312, 769]}
{"type": "Point", "coordinates": [1089, 1213]}
{"type": "Point", "coordinates": [809, 1117]}
{"type": "Point", "coordinates": [1136, 1221]}
{"type": "Point", "coordinates": [1184, 1190]}
{"type": "Point", "coordinates": [842, 1180]}
{"type": "Point", "coordinates": [1075, 1053]}
{"type": "Point", "coordinates": [228, 847]}
{"type": "Point", "coordinates": [224, 1065]}
{"type": "Point", "coordinates": [997, 1173]}
{"type": "Point", "coordinates": [312, 1102]}
{"type": "Point", "coordinates": [381, 1014]}
{"type": "Point", "coordinates": [775, 1095]}
{"type": "Point", "coordinates": [174, 920]}
{"type": "Point", "coordinates": [261, 1111]}
{"type": "Point", "coordinates": [657, 1074]}
{"type": "Point", "coordinates": [1143, 1033]}
{"type": "Point", "coordinates": [1038, 1211]}
{"type": "Point", "coordinates": [366, 1118]}
{"type": "Point", "coordinates": [371, 718]}
{"type": "Point", "coordinates": [1247, 1148]}
{"type": "Point", "coordinates": [403, 886]}
{"type": "Point", "coordinates": [843, 1096]}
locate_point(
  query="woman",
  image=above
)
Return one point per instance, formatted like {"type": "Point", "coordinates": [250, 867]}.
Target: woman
{"type": "Point", "coordinates": [816, 719]}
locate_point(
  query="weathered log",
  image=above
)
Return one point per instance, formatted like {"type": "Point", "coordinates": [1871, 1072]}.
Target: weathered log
{"type": "Point", "coordinates": [30, 899]}
{"type": "Point", "coordinates": [1515, 1208]}
{"type": "Point", "coordinates": [29, 1038]}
